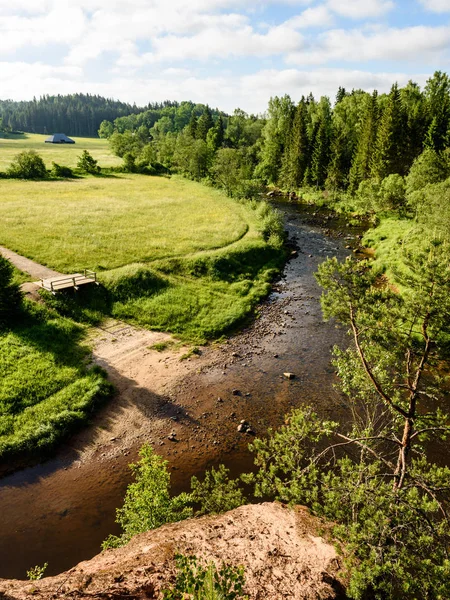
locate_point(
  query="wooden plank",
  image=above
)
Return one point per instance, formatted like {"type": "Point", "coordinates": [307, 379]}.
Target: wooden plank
{"type": "Point", "coordinates": [54, 284]}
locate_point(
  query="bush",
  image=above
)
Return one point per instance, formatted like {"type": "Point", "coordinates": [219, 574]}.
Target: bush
{"type": "Point", "coordinates": [61, 171]}
{"type": "Point", "coordinates": [148, 504]}
{"type": "Point", "coordinates": [87, 163]}
{"type": "Point", "coordinates": [27, 165]}
{"type": "Point", "coordinates": [217, 493]}
{"type": "Point", "coordinates": [10, 296]}
{"type": "Point", "coordinates": [205, 582]}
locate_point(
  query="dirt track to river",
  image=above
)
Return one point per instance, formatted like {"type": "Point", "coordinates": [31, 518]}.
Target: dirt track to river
{"type": "Point", "coordinates": [59, 512]}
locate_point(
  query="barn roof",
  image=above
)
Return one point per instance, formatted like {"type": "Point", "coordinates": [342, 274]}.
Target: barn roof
{"type": "Point", "coordinates": [59, 138]}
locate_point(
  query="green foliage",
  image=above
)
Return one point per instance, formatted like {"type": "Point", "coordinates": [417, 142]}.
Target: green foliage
{"type": "Point", "coordinates": [147, 503]}
{"type": "Point", "coordinates": [400, 499]}
{"type": "Point", "coordinates": [10, 296]}
{"type": "Point", "coordinates": [61, 171]}
{"type": "Point", "coordinates": [217, 493]}
{"type": "Point", "coordinates": [430, 167]}
{"type": "Point", "coordinates": [360, 168]}
{"type": "Point", "coordinates": [87, 163]}
{"type": "Point", "coordinates": [27, 165]}
{"type": "Point", "coordinates": [385, 196]}
{"type": "Point", "coordinates": [205, 582]}
{"type": "Point", "coordinates": [432, 208]}
{"type": "Point", "coordinates": [106, 129]}
{"type": "Point", "coordinates": [37, 572]}
{"type": "Point", "coordinates": [389, 153]}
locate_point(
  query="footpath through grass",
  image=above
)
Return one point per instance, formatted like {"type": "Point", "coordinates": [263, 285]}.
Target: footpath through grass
{"type": "Point", "coordinates": [45, 388]}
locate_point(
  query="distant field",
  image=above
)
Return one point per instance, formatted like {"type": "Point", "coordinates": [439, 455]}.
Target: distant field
{"type": "Point", "coordinates": [107, 222]}
{"type": "Point", "coordinates": [60, 153]}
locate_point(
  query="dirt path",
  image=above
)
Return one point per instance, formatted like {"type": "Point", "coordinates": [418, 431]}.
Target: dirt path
{"type": "Point", "coordinates": [26, 265]}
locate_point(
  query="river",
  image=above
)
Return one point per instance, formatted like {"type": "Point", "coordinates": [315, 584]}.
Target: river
{"type": "Point", "coordinates": [60, 511]}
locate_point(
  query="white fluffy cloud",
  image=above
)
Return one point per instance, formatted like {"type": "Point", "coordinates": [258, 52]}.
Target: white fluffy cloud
{"type": "Point", "coordinates": [226, 52]}
{"type": "Point", "coordinates": [227, 91]}
{"type": "Point", "coordinates": [438, 6]}
{"type": "Point", "coordinates": [361, 9]}
{"type": "Point", "coordinates": [318, 16]}
{"type": "Point", "coordinates": [39, 30]}
{"type": "Point", "coordinates": [410, 44]}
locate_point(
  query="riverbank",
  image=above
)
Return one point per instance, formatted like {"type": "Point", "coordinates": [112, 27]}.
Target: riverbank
{"type": "Point", "coordinates": [66, 507]}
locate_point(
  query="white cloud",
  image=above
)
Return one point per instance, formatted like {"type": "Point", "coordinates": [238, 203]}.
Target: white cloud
{"type": "Point", "coordinates": [411, 44]}
{"type": "Point", "coordinates": [321, 82]}
{"type": "Point", "coordinates": [361, 9]}
{"type": "Point", "coordinates": [18, 32]}
{"type": "Point", "coordinates": [226, 91]}
{"type": "Point", "coordinates": [438, 6]}
{"type": "Point", "coordinates": [214, 42]}
{"type": "Point", "coordinates": [318, 16]}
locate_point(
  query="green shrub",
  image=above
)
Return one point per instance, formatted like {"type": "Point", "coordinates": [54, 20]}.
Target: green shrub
{"type": "Point", "coordinates": [10, 296]}
{"type": "Point", "coordinates": [205, 582]}
{"type": "Point", "coordinates": [27, 165]}
{"type": "Point", "coordinates": [37, 572]}
{"type": "Point", "coordinates": [87, 163]}
{"type": "Point", "coordinates": [217, 493]}
{"type": "Point", "coordinates": [60, 171]}
{"type": "Point", "coordinates": [147, 503]}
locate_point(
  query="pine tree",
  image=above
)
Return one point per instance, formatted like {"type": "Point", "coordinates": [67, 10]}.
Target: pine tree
{"type": "Point", "coordinates": [320, 146]}
{"type": "Point", "coordinates": [295, 157]}
{"type": "Point", "coordinates": [205, 123]}
{"type": "Point", "coordinates": [193, 126]}
{"type": "Point", "coordinates": [360, 168]}
{"type": "Point", "coordinates": [389, 154]}
{"type": "Point", "coordinates": [341, 93]}
{"type": "Point", "coordinates": [437, 94]}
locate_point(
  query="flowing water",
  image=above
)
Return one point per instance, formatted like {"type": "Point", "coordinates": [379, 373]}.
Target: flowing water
{"type": "Point", "coordinates": [59, 512]}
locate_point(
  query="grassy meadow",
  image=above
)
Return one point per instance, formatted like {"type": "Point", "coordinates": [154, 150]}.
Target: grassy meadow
{"type": "Point", "coordinates": [171, 255]}
{"type": "Point", "coordinates": [60, 153]}
{"type": "Point", "coordinates": [106, 222]}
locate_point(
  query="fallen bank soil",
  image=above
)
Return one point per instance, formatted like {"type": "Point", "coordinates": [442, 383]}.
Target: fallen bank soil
{"type": "Point", "coordinates": [60, 512]}
{"type": "Point", "coordinates": [279, 548]}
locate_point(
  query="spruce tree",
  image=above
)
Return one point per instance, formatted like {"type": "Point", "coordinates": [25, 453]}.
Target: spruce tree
{"type": "Point", "coordinates": [192, 126]}
{"type": "Point", "coordinates": [389, 155]}
{"type": "Point", "coordinates": [320, 146]}
{"type": "Point", "coordinates": [295, 155]}
{"type": "Point", "coordinates": [437, 94]}
{"type": "Point", "coordinates": [360, 168]}
{"type": "Point", "coordinates": [341, 93]}
{"type": "Point", "coordinates": [205, 123]}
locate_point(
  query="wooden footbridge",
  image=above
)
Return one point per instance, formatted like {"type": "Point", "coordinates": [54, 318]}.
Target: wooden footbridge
{"type": "Point", "coordinates": [63, 282]}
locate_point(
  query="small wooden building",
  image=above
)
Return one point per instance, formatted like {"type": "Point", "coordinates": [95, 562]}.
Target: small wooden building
{"type": "Point", "coordinates": [59, 138]}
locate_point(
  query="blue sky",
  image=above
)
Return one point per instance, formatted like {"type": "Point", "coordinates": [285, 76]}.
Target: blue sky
{"type": "Point", "coordinates": [226, 53]}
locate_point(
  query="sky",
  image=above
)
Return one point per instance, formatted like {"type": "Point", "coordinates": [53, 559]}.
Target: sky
{"type": "Point", "coordinates": [225, 53]}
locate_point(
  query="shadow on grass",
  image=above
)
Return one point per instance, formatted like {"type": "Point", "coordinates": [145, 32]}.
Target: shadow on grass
{"type": "Point", "coordinates": [13, 135]}
{"type": "Point", "coordinates": [59, 337]}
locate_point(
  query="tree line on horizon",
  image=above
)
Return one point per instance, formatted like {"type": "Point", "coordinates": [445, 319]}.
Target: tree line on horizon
{"type": "Point", "coordinates": [73, 114]}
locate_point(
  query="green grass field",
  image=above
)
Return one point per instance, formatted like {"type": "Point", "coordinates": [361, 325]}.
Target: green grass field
{"type": "Point", "coordinates": [60, 153]}
{"type": "Point", "coordinates": [107, 222]}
